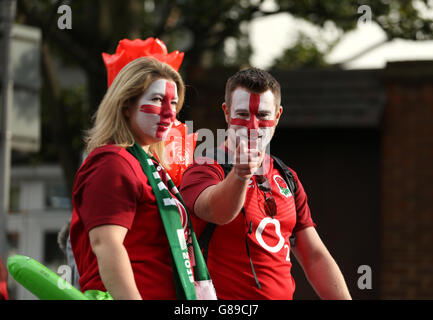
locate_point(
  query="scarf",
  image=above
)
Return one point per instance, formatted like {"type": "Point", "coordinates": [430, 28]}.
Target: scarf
{"type": "Point", "coordinates": [191, 276]}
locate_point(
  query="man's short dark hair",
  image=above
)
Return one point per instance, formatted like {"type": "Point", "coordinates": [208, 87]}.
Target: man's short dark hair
{"type": "Point", "coordinates": [254, 80]}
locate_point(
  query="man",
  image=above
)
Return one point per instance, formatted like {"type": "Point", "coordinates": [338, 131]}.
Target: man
{"type": "Point", "coordinates": [248, 254]}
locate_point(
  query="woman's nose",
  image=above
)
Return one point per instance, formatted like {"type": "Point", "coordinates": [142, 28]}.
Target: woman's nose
{"type": "Point", "coordinates": [167, 112]}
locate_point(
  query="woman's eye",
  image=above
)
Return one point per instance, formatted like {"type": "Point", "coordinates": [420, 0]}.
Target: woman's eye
{"type": "Point", "coordinates": [157, 99]}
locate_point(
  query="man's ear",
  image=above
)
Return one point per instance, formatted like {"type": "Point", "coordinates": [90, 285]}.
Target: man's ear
{"type": "Point", "coordinates": [226, 112]}
{"type": "Point", "coordinates": [278, 115]}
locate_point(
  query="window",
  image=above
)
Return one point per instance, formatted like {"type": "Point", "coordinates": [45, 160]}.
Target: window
{"type": "Point", "coordinates": [56, 196]}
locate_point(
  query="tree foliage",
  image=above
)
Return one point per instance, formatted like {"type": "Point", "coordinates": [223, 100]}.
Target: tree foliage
{"type": "Point", "coordinates": [200, 28]}
{"type": "Point", "coordinates": [304, 54]}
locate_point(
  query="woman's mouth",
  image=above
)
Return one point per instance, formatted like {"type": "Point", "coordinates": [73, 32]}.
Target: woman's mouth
{"type": "Point", "coordinates": [164, 124]}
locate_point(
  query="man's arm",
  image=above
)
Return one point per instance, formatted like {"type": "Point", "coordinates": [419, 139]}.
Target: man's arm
{"type": "Point", "coordinates": [113, 262]}
{"type": "Point", "coordinates": [221, 203]}
{"type": "Point", "coordinates": [319, 267]}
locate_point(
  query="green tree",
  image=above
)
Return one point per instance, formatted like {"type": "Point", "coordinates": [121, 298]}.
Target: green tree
{"type": "Point", "coordinates": [197, 27]}
{"type": "Point", "coordinates": [397, 18]}
{"type": "Point", "coordinates": [304, 54]}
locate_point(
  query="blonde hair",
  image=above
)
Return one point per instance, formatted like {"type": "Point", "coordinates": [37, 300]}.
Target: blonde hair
{"type": "Point", "coordinates": [110, 123]}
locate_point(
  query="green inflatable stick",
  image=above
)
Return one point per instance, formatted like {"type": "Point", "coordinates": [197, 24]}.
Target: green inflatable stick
{"type": "Point", "coordinates": [41, 281]}
{"type": "Point", "coordinates": [98, 295]}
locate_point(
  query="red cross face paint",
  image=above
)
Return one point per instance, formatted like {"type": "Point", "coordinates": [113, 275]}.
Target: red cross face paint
{"type": "Point", "coordinates": [157, 109]}
{"type": "Point", "coordinates": [252, 117]}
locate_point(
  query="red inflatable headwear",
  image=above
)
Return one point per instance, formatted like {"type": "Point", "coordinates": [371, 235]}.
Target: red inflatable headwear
{"type": "Point", "coordinates": [179, 150]}
{"type": "Point", "coordinates": [128, 50]}
{"type": "Point", "coordinates": [180, 145]}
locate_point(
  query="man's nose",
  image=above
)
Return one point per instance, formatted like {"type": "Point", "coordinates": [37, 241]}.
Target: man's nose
{"type": "Point", "coordinates": [253, 124]}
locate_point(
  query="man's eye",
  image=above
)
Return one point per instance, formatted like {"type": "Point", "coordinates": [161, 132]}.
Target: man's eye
{"type": "Point", "coordinates": [243, 114]}
{"type": "Point", "coordinates": [157, 99]}
{"type": "Point", "coordinates": [263, 115]}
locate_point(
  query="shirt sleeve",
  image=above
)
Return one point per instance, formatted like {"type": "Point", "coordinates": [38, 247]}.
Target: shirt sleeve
{"type": "Point", "coordinates": [107, 191]}
{"type": "Point", "coordinates": [303, 214]}
{"type": "Point", "coordinates": [196, 178]}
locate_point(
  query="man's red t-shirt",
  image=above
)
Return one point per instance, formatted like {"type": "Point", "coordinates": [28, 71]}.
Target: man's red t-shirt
{"type": "Point", "coordinates": [228, 262]}
{"type": "Point", "coordinates": [111, 188]}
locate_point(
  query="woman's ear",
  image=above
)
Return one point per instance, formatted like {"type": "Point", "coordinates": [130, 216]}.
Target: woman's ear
{"type": "Point", "coordinates": [127, 112]}
{"type": "Point", "coordinates": [129, 107]}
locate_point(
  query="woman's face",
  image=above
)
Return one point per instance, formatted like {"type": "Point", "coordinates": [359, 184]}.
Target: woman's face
{"type": "Point", "coordinates": [154, 113]}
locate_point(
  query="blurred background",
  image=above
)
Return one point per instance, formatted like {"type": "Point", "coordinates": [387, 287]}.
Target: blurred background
{"type": "Point", "coordinates": [357, 126]}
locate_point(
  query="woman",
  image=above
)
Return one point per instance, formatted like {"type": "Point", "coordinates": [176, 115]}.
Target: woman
{"type": "Point", "coordinates": [130, 232]}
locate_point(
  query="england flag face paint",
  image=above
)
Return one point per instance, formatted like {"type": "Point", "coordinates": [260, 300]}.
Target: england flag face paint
{"type": "Point", "coordinates": [157, 109]}
{"type": "Point", "coordinates": [252, 117]}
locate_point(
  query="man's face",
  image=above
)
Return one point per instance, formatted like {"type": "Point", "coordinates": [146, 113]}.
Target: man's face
{"type": "Point", "coordinates": [253, 117]}
{"type": "Point", "coordinates": [155, 111]}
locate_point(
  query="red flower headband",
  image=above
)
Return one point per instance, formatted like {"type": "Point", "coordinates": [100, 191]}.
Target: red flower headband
{"type": "Point", "coordinates": [128, 50]}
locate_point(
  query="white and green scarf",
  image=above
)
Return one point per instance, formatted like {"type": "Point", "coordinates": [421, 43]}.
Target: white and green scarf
{"type": "Point", "coordinates": [191, 276]}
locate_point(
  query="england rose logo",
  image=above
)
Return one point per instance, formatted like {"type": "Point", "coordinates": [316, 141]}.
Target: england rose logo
{"type": "Point", "coordinates": [282, 185]}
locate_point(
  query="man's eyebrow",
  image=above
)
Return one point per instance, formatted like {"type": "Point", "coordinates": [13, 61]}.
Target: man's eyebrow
{"type": "Point", "coordinates": [242, 110]}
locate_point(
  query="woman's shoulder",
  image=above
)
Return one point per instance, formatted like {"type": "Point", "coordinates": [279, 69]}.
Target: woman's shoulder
{"type": "Point", "coordinates": [108, 165]}
{"type": "Point", "coordinates": [111, 152]}
{"type": "Point", "coordinates": [109, 159]}
{"type": "Point", "coordinates": [107, 149]}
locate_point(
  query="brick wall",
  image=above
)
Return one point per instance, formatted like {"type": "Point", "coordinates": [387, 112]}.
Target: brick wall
{"type": "Point", "coordinates": [407, 182]}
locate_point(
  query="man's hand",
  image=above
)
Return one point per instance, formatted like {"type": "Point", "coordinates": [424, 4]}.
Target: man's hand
{"type": "Point", "coordinates": [209, 205]}
{"type": "Point", "coordinates": [247, 161]}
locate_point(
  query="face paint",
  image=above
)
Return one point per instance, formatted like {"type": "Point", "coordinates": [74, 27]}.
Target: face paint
{"type": "Point", "coordinates": [252, 122]}
{"type": "Point", "coordinates": [252, 117]}
{"type": "Point", "coordinates": [157, 108]}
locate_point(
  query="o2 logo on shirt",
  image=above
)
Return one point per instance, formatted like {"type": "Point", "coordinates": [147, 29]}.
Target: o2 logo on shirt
{"type": "Point", "coordinates": [282, 185]}
{"type": "Point", "coordinates": [281, 243]}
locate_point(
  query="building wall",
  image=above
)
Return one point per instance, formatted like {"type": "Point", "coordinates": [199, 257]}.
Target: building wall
{"type": "Point", "coordinates": [407, 188]}
{"type": "Point", "coordinates": [39, 208]}
{"type": "Point", "coordinates": [340, 172]}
